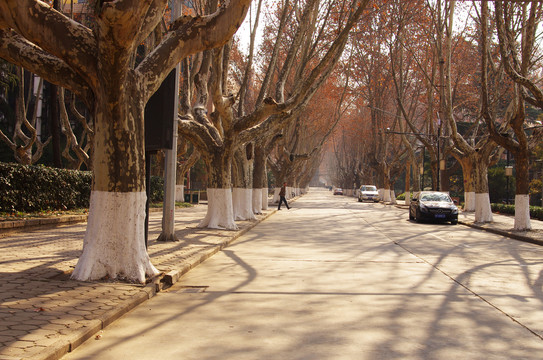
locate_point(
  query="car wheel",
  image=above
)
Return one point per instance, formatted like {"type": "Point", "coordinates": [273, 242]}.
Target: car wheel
{"type": "Point", "coordinates": [454, 222]}
{"type": "Point", "coordinates": [359, 200]}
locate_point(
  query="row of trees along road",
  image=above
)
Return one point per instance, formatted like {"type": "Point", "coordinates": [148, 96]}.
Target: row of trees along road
{"type": "Point", "coordinates": [233, 126]}
{"type": "Point", "coordinates": [452, 80]}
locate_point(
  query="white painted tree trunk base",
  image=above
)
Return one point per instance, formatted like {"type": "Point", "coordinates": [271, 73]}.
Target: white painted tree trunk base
{"type": "Point", "coordinates": [386, 195]}
{"type": "Point", "coordinates": [237, 200]}
{"type": "Point", "coordinates": [257, 201]}
{"type": "Point", "coordinates": [242, 199]}
{"type": "Point", "coordinates": [483, 211]}
{"type": "Point", "coordinates": [114, 243]}
{"type": "Point", "coordinates": [275, 199]}
{"type": "Point", "coordinates": [469, 201]}
{"type": "Point", "coordinates": [265, 199]}
{"type": "Point", "coordinates": [407, 200]}
{"type": "Point", "coordinates": [522, 212]}
{"type": "Point", "coordinates": [220, 212]}
{"type": "Point", "coordinates": [392, 197]}
{"type": "Point", "coordinates": [180, 193]}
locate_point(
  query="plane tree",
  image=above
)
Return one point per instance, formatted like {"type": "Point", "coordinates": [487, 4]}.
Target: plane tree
{"type": "Point", "coordinates": [517, 28]}
{"type": "Point", "coordinates": [97, 65]}
{"type": "Point", "coordinates": [27, 147]}
{"type": "Point", "coordinates": [219, 130]}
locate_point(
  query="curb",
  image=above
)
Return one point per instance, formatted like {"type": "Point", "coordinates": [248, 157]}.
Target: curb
{"type": "Point", "coordinates": [504, 233]}
{"type": "Point", "coordinates": [20, 224]}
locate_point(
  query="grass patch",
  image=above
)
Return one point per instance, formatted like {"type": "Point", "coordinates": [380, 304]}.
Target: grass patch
{"type": "Point", "coordinates": [177, 204]}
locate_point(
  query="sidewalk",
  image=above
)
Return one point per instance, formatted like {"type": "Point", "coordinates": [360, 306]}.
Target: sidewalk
{"type": "Point", "coordinates": [44, 314]}
{"type": "Point", "coordinates": [504, 225]}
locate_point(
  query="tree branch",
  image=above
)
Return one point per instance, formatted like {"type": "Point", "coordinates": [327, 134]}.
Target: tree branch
{"type": "Point", "coordinates": [16, 49]}
{"type": "Point", "coordinates": [190, 35]}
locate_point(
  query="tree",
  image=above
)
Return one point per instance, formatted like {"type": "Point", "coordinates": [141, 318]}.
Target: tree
{"type": "Point", "coordinates": [97, 65]}
{"type": "Point", "coordinates": [26, 146]}
{"type": "Point", "coordinates": [512, 21]}
{"type": "Point", "coordinates": [476, 153]}
{"type": "Point", "coordinates": [221, 131]}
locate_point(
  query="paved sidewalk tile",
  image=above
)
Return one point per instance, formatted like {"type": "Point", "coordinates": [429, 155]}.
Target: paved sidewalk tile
{"type": "Point", "coordinates": [504, 225]}
{"type": "Point", "coordinates": [44, 314]}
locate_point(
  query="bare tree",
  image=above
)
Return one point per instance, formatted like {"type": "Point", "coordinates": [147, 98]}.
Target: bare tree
{"type": "Point", "coordinates": [27, 147]}
{"type": "Point", "coordinates": [517, 57]}
{"type": "Point", "coordinates": [219, 133]}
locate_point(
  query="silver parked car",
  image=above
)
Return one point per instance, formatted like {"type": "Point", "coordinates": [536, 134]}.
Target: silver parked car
{"type": "Point", "coordinates": [368, 192]}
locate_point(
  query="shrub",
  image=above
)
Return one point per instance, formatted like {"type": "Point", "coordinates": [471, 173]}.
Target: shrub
{"type": "Point", "coordinates": [536, 212]}
{"type": "Point", "coordinates": [30, 188]}
{"type": "Point", "coordinates": [156, 189]}
{"type": "Point", "coordinates": [33, 188]}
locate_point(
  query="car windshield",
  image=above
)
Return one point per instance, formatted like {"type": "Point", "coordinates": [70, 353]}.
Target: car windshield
{"type": "Point", "coordinates": [369, 188]}
{"type": "Point", "coordinates": [435, 197]}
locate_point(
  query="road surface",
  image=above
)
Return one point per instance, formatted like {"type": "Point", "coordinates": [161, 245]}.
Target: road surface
{"type": "Point", "coordinates": [336, 279]}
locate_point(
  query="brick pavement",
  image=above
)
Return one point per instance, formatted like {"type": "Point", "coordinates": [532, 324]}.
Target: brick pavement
{"type": "Point", "coordinates": [44, 314]}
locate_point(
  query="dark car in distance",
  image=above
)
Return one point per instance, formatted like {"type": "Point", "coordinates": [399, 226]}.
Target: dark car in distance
{"type": "Point", "coordinates": [433, 206]}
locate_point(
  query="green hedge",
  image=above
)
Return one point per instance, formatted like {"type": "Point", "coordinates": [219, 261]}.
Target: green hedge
{"type": "Point", "coordinates": [156, 189]}
{"type": "Point", "coordinates": [536, 212]}
{"type": "Point", "coordinates": [30, 188]}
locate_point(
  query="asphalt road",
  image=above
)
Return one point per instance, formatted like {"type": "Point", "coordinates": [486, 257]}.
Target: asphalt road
{"type": "Point", "coordinates": [336, 279]}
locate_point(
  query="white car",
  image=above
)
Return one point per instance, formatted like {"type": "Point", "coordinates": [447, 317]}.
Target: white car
{"type": "Point", "coordinates": [368, 192]}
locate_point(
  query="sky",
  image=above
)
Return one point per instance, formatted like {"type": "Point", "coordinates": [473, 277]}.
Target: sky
{"type": "Point", "coordinates": [244, 32]}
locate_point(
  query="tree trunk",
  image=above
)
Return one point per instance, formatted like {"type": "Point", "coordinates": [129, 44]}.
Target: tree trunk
{"type": "Point", "coordinates": [407, 193]}
{"type": "Point", "coordinates": [522, 195]}
{"type": "Point", "coordinates": [259, 180]}
{"type": "Point", "coordinates": [483, 212]}
{"type": "Point", "coordinates": [220, 211]}
{"type": "Point", "coordinates": [114, 244]}
{"type": "Point", "coordinates": [386, 182]}
{"type": "Point", "coordinates": [243, 183]}
{"type": "Point", "coordinates": [469, 183]}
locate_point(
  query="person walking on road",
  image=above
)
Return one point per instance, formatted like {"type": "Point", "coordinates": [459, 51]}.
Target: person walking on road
{"type": "Point", "coordinates": [282, 198]}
